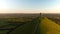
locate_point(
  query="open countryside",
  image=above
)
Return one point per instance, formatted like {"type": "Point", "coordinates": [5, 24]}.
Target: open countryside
{"type": "Point", "coordinates": [29, 24]}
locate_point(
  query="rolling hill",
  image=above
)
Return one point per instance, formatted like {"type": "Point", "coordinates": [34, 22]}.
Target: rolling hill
{"type": "Point", "coordinates": [49, 27]}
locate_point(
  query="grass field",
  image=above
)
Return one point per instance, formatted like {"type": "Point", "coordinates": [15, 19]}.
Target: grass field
{"type": "Point", "coordinates": [36, 26]}
{"type": "Point", "coordinates": [46, 26]}
{"type": "Point", "coordinates": [28, 28]}
{"type": "Point", "coordinates": [49, 27]}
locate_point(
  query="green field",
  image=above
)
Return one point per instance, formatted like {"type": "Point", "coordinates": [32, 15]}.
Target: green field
{"type": "Point", "coordinates": [36, 26]}
{"type": "Point", "coordinates": [49, 27]}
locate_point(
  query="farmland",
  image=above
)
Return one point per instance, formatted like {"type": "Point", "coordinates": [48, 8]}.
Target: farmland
{"type": "Point", "coordinates": [9, 23]}
{"type": "Point", "coordinates": [29, 24]}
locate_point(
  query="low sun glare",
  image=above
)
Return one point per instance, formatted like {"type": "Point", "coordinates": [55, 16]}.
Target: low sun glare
{"type": "Point", "coordinates": [4, 5]}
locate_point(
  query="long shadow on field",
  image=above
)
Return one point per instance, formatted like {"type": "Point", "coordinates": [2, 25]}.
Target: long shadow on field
{"type": "Point", "coordinates": [12, 29]}
{"type": "Point", "coordinates": [28, 28]}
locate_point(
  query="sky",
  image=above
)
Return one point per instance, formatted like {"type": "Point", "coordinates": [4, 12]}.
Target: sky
{"type": "Point", "coordinates": [29, 6]}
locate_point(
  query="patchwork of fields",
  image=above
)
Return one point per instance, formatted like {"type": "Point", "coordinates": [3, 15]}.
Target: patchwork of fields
{"type": "Point", "coordinates": [38, 25]}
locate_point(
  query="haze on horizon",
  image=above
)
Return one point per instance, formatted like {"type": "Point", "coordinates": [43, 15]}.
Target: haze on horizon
{"type": "Point", "coordinates": [29, 6]}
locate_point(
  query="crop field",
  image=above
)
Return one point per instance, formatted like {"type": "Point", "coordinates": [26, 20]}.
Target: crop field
{"type": "Point", "coordinates": [30, 25]}
{"type": "Point", "coordinates": [17, 25]}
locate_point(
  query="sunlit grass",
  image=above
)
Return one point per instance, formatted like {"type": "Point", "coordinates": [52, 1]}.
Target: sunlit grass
{"type": "Point", "coordinates": [49, 27]}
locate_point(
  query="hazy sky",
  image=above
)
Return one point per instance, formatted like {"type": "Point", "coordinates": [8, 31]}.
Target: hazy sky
{"type": "Point", "coordinates": [29, 6]}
